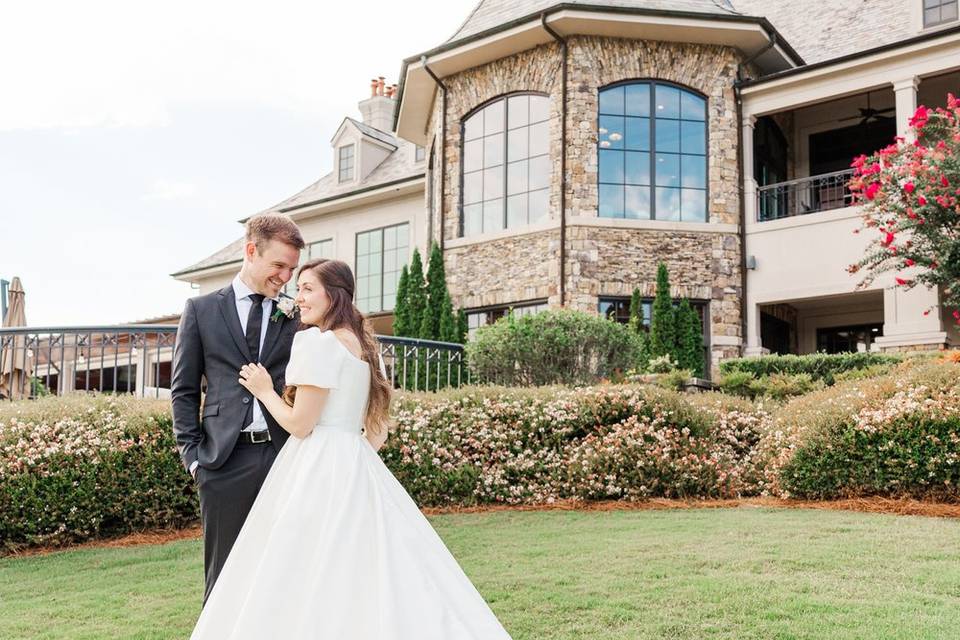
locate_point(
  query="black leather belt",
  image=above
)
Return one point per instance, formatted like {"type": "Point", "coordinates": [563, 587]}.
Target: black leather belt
{"type": "Point", "coordinates": [255, 437]}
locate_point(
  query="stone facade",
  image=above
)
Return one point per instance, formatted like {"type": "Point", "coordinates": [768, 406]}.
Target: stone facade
{"type": "Point", "coordinates": [601, 260]}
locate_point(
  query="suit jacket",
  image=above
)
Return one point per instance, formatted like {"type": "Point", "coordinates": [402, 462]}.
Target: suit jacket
{"type": "Point", "coordinates": [210, 344]}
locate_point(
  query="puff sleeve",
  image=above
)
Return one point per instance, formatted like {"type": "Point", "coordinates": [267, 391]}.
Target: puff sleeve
{"type": "Point", "coordinates": [316, 359]}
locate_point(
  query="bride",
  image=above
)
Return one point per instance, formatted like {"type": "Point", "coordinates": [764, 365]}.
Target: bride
{"type": "Point", "coordinates": [333, 546]}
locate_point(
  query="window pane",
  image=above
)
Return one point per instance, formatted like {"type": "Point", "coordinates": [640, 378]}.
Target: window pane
{"type": "Point", "coordinates": [493, 183]}
{"type": "Point", "coordinates": [376, 242]}
{"type": "Point", "coordinates": [389, 259]}
{"type": "Point", "coordinates": [668, 169]}
{"type": "Point", "coordinates": [389, 300]}
{"type": "Point", "coordinates": [636, 203]}
{"type": "Point", "coordinates": [929, 4]}
{"type": "Point", "coordinates": [374, 264]}
{"type": "Point", "coordinates": [389, 237]}
{"type": "Point", "coordinates": [638, 100]}
{"type": "Point", "coordinates": [473, 127]}
{"type": "Point", "coordinates": [948, 11]}
{"type": "Point", "coordinates": [611, 132]}
{"type": "Point", "coordinates": [540, 139]}
{"type": "Point", "coordinates": [517, 177]}
{"type": "Point", "coordinates": [611, 101]}
{"type": "Point", "coordinates": [363, 243]}
{"type": "Point", "coordinates": [493, 118]}
{"type": "Point", "coordinates": [667, 101]}
{"type": "Point", "coordinates": [638, 134]}
{"type": "Point", "coordinates": [375, 287]}
{"type": "Point", "coordinates": [539, 205]}
{"type": "Point", "coordinates": [693, 137]}
{"type": "Point", "coordinates": [668, 204]}
{"type": "Point", "coordinates": [637, 167]}
{"type": "Point", "coordinates": [473, 155]}
{"type": "Point", "coordinates": [668, 135]}
{"type": "Point", "coordinates": [518, 111]}
{"type": "Point", "coordinates": [611, 201]}
{"type": "Point", "coordinates": [473, 187]}
{"type": "Point", "coordinates": [403, 233]}
{"type": "Point", "coordinates": [694, 205]}
{"type": "Point", "coordinates": [692, 107]}
{"type": "Point", "coordinates": [517, 210]}
{"type": "Point", "coordinates": [493, 215]}
{"type": "Point", "coordinates": [472, 219]}
{"type": "Point", "coordinates": [539, 108]}
{"type": "Point", "coordinates": [931, 16]}
{"type": "Point", "coordinates": [493, 150]}
{"type": "Point", "coordinates": [539, 172]}
{"type": "Point", "coordinates": [694, 171]}
{"type": "Point", "coordinates": [517, 148]}
{"type": "Point", "coordinates": [611, 166]}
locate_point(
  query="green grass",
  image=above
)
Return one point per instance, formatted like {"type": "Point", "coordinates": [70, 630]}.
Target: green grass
{"type": "Point", "coordinates": [730, 573]}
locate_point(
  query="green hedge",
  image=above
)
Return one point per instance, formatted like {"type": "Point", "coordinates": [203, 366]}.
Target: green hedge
{"type": "Point", "coordinates": [552, 347]}
{"type": "Point", "coordinates": [819, 366]}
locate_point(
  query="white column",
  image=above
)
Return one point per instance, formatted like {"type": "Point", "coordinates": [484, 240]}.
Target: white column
{"type": "Point", "coordinates": [905, 91]}
{"type": "Point", "coordinates": [749, 181]}
{"type": "Point", "coordinates": [754, 346]}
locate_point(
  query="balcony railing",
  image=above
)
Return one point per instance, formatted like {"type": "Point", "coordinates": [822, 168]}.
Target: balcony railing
{"type": "Point", "coordinates": [137, 360]}
{"type": "Point", "coordinates": [805, 195]}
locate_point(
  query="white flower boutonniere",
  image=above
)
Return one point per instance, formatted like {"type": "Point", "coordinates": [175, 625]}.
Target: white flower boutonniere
{"type": "Point", "coordinates": [285, 307]}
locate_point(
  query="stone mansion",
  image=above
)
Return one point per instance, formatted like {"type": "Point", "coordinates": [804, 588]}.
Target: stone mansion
{"type": "Point", "coordinates": [558, 151]}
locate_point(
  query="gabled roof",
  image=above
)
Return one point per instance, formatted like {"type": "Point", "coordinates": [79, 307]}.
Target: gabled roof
{"type": "Point", "coordinates": [397, 168]}
{"type": "Point", "coordinates": [492, 13]}
{"type": "Point", "coordinates": [366, 130]}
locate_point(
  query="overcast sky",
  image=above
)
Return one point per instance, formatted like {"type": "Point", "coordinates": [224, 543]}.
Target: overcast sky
{"type": "Point", "coordinates": [134, 135]}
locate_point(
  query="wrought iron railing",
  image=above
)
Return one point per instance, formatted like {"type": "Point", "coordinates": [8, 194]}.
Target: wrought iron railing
{"type": "Point", "coordinates": [137, 359]}
{"type": "Point", "coordinates": [805, 195]}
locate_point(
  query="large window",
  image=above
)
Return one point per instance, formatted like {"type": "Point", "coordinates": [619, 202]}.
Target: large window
{"type": "Point", "coordinates": [345, 163]}
{"type": "Point", "coordinates": [652, 148]}
{"type": "Point", "coordinates": [506, 164]}
{"type": "Point", "coordinates": [482, 317]}
{"type": "Point", "coordinates": [938, 12]}
{"type": "Point", "coordinates": [381, 254]}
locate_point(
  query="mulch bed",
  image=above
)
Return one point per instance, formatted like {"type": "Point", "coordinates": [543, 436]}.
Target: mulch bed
{"type": "Point", "coordinates": [896, 506]}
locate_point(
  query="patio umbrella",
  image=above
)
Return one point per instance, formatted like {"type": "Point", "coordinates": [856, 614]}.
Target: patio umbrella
{"type": "Point", "coordinates": [16, 363]}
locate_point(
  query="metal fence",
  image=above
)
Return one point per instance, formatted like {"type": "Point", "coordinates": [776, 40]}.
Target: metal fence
{"type": "Point", "coordinates": [138, 360]}
{"type": "Point", "coordinates": [805, 195]}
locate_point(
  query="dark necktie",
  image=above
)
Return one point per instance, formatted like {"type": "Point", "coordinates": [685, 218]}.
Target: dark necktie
{"type": "Point", "coordinates": [254, 322]}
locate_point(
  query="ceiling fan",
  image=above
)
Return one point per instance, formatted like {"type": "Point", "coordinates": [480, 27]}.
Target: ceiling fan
{"type": "Point", "coordinates": [868, 114]}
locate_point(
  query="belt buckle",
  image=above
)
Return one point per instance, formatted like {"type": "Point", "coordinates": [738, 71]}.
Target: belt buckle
{"type": "Point", "coordinates": [256, 437]}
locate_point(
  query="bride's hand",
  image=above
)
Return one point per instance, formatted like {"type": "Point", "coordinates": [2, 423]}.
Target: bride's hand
{"type": "Point", "coordinates": [256, 379]}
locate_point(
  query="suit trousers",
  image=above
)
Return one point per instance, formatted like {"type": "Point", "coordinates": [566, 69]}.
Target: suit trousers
{"type": "Point", "coordinates": [226, 496]}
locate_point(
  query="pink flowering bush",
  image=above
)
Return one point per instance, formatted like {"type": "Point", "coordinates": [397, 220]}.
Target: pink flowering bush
{"type": "Point", "coordinates": [894, 435]}
{"type": "Point", "coordinates": [910, 192]}
{"type": "Point", "coordinates": [84, 467]}
{"type": "Point", "coordinates": [535, 446]}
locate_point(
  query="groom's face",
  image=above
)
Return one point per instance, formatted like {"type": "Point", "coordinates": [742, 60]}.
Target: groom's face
{"type": "Point", "coordinates": [272, 267]}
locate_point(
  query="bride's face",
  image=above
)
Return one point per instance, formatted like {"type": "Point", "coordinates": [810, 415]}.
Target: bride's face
{"type": "Point", "coordinates": [311, 298]}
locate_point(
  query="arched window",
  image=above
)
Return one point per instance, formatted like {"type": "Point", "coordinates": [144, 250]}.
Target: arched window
{"type": "Point", "coordinates": [506, 164]}
{"type": "Point", "coordinates": [652, 148]}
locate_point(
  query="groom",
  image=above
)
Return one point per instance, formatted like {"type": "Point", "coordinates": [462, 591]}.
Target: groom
{"type": "Point", "coordinates": [230, 443]}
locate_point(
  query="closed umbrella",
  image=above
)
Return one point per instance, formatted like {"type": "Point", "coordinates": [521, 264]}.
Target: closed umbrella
{"type": "Point", "coordinates": [16, 362]}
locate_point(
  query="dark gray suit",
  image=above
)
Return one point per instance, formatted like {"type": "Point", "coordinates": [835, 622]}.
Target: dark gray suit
{"type": "Point", "coordinates": [211, 345]}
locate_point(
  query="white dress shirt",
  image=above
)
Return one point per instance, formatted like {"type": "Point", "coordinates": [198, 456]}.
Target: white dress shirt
{"type": "Point", "coordinates": [241, 293]}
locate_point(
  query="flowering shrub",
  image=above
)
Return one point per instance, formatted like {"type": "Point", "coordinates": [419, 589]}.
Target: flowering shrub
{"type": "Point", "coordinates": [530, 446]}
{"type": "Point", "coordinates": [911, 196]}
{"type": "Point", "coordinates": [896, 435]}
{"type": "Point", "coordinates": [77, 468]}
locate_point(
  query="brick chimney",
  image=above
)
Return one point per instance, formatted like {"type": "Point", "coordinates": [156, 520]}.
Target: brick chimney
{"type": "Point", "coordinates": [377, 110]}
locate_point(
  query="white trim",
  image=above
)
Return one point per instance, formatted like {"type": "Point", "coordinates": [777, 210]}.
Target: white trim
{"type": "Point", "coordinates": [807, 219]}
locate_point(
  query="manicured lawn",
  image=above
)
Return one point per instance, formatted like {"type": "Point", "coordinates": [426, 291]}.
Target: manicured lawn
{"type": "Point", "coordinates": [724, 573]}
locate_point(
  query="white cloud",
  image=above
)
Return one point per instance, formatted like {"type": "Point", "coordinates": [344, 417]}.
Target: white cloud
{"type": "Point", "coordinates": [169, 190]}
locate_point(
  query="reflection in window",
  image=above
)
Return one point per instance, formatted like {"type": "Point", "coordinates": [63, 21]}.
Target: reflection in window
{"type": "Point", "coordinates": [618, 309]}
{"type": "Point", "coordinates": [381, 254]}
{"type": "Point", "coordinates": [652, 148]}
{"type": "Point", "coordinates": [506, 164]}
{"type": "Point", "coordinates": [938, 12]}
{"type": "Point", "coordinates": [483, 317]}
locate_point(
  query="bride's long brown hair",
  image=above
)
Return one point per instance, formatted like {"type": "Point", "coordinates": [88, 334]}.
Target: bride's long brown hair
{"type": "Point", "coordinates": [337, 280]}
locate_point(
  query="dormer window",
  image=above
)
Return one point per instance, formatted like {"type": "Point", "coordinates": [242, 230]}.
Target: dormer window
{"type": "Point", "coordinates": [345, 162]}
{"type": "Point", "coordinates": [937, 12]}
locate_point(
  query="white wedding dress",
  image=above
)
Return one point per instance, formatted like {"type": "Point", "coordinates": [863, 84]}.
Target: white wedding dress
{"type": "Point", "coordinates": [334, 547]}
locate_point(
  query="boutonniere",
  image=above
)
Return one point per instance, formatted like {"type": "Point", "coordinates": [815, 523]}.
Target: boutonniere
{"type": "Point", "coordinates": [286, 306]}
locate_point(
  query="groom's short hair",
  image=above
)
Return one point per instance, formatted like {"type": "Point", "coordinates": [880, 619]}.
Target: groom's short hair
{"type": "Point", "coordinates": [265, 227]}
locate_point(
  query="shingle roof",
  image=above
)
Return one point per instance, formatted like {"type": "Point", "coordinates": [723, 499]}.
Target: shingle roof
{"type": "Point", "coordinates": [396, 167]}
{"type": "Point", "coordinates": [493, 13]}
